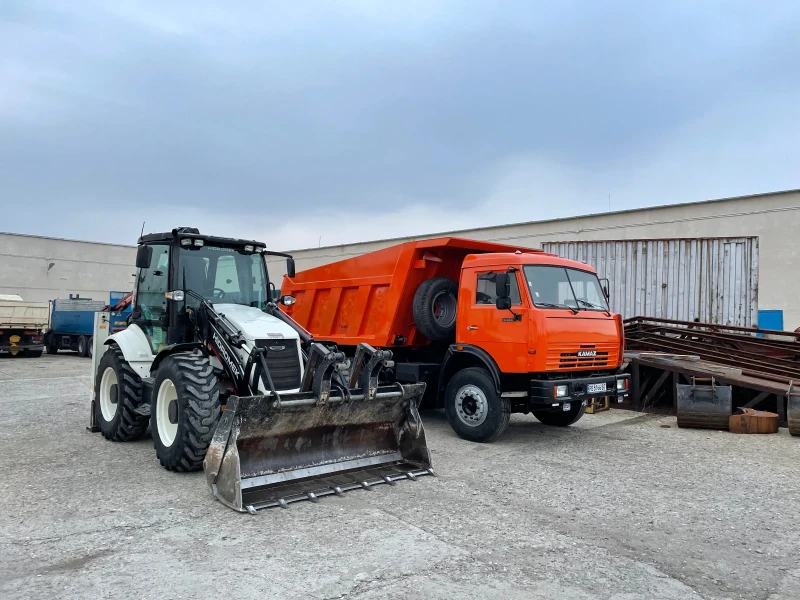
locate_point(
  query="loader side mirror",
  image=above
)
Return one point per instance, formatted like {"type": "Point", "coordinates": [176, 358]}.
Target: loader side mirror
{"type": "Point", "coordinates": [143, 257]}
{"type": "Point", "coordinates": [290, 272]}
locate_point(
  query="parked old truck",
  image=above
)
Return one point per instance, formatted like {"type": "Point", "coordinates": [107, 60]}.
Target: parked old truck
{"type": "Point", "coordinates": [72, 321]}
{"type": "Point", "coordinates": [492, 329]}
{"type": "Point", "coordinates": [21, 325]}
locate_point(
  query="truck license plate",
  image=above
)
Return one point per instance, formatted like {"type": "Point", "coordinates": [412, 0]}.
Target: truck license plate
{"type": "Point", "coordinates": [596, 387]}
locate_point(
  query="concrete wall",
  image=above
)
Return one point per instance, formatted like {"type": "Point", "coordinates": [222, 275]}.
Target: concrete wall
{"type": "Point", "coordinates": [86, 268]}
{"type": "Point", "coordinates": [773, 218]}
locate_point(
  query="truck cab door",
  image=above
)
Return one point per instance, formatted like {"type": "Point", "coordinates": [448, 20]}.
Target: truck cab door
{"type": "Point", "coordinates": [482, 324]}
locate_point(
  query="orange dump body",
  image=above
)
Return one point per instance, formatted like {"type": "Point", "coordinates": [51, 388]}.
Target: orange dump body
{"type": "Point", "coordinates": [369, 298]}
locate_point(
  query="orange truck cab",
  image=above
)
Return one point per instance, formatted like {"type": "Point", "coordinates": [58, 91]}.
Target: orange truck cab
{"type": "Point", "coordinates": [492, 329]}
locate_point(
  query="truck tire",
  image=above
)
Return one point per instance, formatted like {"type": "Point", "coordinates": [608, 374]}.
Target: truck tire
{"type": "Point", "coordinates": [118, 392]}
{"type": "Point", "coordinates": [52, 343]}
{"type": "Point", "coordinates": [33, 353]}
{"type": "Point", "coordinates": [474, 409]}
{"type": "Point", "coordinates": [82, 346]}
{"type": "Point", "coordinates": [185, 408]}
{"type": "Point", "coordinates": [561, 418]}
{"type": "Point", "coordinates": [434, 309]}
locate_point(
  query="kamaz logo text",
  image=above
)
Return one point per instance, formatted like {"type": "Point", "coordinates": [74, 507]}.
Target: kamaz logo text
{"type": "Point", "coordinates": [225, 356]}
{"type": "Point", "coordinates": [586, 353]}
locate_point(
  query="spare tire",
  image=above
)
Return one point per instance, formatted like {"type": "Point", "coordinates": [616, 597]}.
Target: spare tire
{"type": "Point", "coordinates": [434, 308]}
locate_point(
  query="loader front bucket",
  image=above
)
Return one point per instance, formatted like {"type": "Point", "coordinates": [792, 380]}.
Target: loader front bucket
{"type": "Point", "coordinates": [269, 451]}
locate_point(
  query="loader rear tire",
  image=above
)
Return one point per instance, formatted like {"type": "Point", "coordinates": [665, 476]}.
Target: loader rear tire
{"type": "Point", "coordinates": [185, 408]}
{"type": "Point", "coordinates": [118, 392]}
{"type": "Point", "coordinates": [474, 409]}
{"type": "Point", "coordinates": [434, 309]}
{"type": "Point", "coordinates": [560, 418]}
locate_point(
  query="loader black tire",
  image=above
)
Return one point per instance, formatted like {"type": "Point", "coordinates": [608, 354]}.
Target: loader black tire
{"type": "Point", "coordinates": [124, 424]}
{"type": "Point", "coordinates": [481, 397]}
{"type": "Point", "coordinates": [82, 346]}
{"type": "Point", "coordinates": [434, 309]}
{"type": "Point", "coordinates": [560, 418]}
{"type": "Point", "coordinates": [196, 411]}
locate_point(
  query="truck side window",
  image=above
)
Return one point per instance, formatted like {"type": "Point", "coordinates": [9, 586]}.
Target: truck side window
{"type": "Point", "coordinates": [486, 289]}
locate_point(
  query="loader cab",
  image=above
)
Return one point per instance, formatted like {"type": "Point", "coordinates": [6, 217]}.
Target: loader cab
{"type": "Point", "coordinates": [220, 270]}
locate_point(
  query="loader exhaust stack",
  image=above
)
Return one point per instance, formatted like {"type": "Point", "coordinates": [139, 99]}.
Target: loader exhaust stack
{"type": "Point", "coordinates": [340, 432]}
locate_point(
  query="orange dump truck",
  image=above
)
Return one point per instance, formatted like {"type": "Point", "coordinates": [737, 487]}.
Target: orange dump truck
{"type": "Point", "coordinates": [492, 329]}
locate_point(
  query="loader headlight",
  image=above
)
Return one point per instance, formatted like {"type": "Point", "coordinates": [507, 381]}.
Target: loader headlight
{"type": "Point", "coordinates": [561, 391]}
{"type": "Point", "coordinates": [248, 248]}
{"type": "Point", "coordinates": [287, 300]}
{"type": "Point", "coordinates": [198, 243]}
{"type": "Point", "coordinates": [186, 242]}
{"type": "Point", "coordinates": [176, 295]}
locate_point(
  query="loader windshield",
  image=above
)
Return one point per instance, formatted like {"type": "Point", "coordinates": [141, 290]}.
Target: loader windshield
{"type": "Point", "coordinates": [224, 275]}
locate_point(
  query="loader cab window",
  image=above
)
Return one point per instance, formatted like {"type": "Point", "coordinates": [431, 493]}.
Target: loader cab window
{"type": "Point", "coordinates": [223, 276]}
{"type": "Point", "coordinates": [152, 284]}
{"type": "Point", "coordinates": [486, 290]}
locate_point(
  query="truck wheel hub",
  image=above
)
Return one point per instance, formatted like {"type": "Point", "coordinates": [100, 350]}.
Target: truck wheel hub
{"type": "Point", "coordinates": [472, 407]}
{"type": "Point", "coordinates": [444, 308]}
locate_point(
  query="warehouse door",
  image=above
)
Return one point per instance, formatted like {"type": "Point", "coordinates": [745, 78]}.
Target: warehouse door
{"type": "Point", "coordinates": [714, 280]}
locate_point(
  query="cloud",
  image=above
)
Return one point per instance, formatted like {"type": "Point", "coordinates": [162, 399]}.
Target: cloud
{"type": "Point", "coordinates": [354, 120]}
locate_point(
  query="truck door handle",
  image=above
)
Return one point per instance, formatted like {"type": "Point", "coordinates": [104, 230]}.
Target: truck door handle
{"type": "Point", "coordinates": [472, 328]}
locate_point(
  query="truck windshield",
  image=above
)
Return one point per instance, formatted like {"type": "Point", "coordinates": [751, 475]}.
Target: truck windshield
{"type": "Point", "coordinates": [223, 276]}
{"type": "Point", "coordinates": [561, 287]}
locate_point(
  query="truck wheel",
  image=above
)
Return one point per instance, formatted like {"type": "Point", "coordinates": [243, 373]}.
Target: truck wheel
{"type": "Point", "coordinates": [434, 309]}
{"type": "Point", "coordinates": [474, 409]}
{"type": "Point", "coordinates": [52, 344]}
{"type": "Point", "coordinates": [82, 345]}
{"type": "Point", "coordinates": [185, 408]}
{"type": "Point", "coordinates": [118, 392]}
{"type": "Point", "coordinates": [33, 353]}
{"type": "Point", "coordinates": [560, 418]}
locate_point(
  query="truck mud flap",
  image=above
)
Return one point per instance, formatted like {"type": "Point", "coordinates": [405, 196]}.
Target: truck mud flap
{"type": "Point", "coordinates": [270, 451]}
{"type": "Point", "coordinates": [704, 405]}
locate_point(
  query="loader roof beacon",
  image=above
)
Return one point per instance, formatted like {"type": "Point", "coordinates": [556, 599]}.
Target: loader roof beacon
{"type": "Point", "coordinates": [229, 382]}
{"type": "Point", "coordinates": [493, 329]}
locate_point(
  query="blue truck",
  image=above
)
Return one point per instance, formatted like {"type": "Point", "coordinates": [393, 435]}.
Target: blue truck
{"type": "Point", "coordinates": [72, 321]}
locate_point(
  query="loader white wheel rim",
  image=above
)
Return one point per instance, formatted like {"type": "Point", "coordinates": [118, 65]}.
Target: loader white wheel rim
{"type": "Point", "coordinates": [108, 393]}
{"type": "Point", "coordinates": [167, 431]}
{"type": "Point", "coordinates": [472, 407]}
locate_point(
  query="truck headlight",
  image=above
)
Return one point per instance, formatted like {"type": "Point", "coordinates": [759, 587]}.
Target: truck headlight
{"type": "Point", "coordinates": [622, 385]}
{"type": "Point", "coordinates": [561, 391]}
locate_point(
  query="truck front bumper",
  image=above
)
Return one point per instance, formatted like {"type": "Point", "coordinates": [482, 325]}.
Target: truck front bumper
{"type": "Point", "coordinates": [553, 393]}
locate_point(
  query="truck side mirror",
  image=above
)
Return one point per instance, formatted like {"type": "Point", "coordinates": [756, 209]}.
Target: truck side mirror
{"type": "Point", "coordinates": [605, 282]}
{"type": "Point", "coordinates": [143, 257]}
{"type": "Point", "coordinates": [502, 286]}
{"type": "Point", "coordinates": [503, 303]}
{"type": "Point", "coordinates": [290, 272]}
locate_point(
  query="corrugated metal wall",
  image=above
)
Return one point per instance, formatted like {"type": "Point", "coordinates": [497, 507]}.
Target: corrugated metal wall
{"type": "Point", "coordinates": [714, 280]}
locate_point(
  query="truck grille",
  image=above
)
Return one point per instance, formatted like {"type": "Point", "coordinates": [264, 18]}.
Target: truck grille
{"type": "Point", "coordinates": [582, 357]}
{"type": "Point", "coordinates": [283, 362]}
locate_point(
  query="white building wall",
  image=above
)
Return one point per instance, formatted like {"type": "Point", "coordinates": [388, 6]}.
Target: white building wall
{"type": "Point", "coordinates": [41, 269]}
{"type": "Point", "coordinates": [773, 218]}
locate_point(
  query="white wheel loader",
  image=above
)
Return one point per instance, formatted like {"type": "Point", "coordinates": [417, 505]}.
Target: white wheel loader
{"type": "Point", "coordinates": [227, 381]}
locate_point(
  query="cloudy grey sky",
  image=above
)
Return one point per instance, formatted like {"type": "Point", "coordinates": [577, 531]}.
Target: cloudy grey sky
{"type": "Point", "coordinates": [352, 120]}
